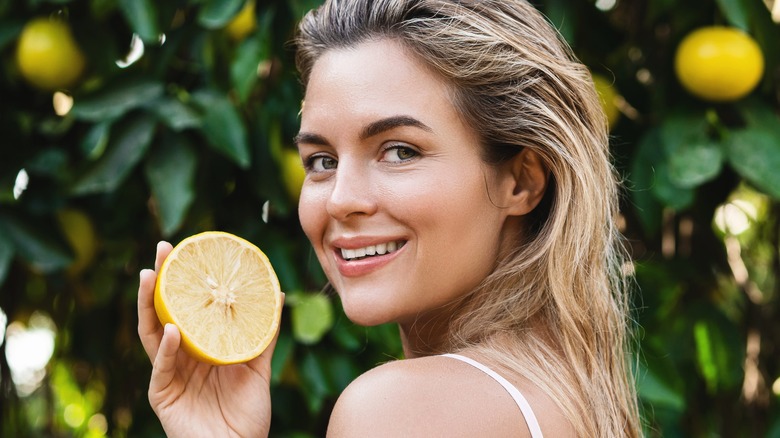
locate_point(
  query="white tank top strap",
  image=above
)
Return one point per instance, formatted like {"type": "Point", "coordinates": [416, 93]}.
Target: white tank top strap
{"type": "Point", "coordinates": [522, 403]}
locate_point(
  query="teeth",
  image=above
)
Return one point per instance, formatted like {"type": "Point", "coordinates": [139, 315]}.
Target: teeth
{"type": "Point", "coordinates": [381, 249]}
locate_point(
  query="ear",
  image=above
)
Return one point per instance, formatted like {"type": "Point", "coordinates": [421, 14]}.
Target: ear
{"type": "Point", "coordinates": [524, 181]}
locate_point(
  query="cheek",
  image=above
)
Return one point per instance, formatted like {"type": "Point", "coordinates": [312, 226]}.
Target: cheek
{"type": "Point", "coordinates": [311, 213]}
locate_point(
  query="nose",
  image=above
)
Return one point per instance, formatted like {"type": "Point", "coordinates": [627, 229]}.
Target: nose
{"type": "Point", "coordinates": [351, 193]}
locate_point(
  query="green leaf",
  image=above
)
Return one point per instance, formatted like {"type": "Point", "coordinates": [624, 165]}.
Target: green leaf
{"type": "Point", "coordinates": [124, 151]}
{"type": "Point", "coordinates": [669, 193]}
{"type": "Point", "coordinates": [38, 244]}
{"type": "Point", "coordinates": [642, 180]}
{"type": "Point", "coordinates": [341, 370]}
{"type": "Point", "coordinates": [735, 13]}
{"type": "Point", "coordinates": [774, 430]}
{"type": "Point", "coordinates": [316, 386]}
{"type": "Point", "coordinates": [312, 317]}
{"type": "Point", "coordinates": [347, 335]}
{"type": "Point", "coordinates": [705, 355]}
{"type": "Point", "coordinates": [653, 389]}
{"type": "Point", "coordinates": [695, 163]}
{"type": "Point", "coordinates": [6, 254]}
{"type": "Point", "coordinates": [243, 70]}
{"type": "Point", "coordinates": [681, 128]}
{"type": "Point", "coordinates": [174, 113]}
{"type": "Point", "coordinates": [216, 13]}
{"type": "Point", "coordinates": [223, 127]}
{"type": "Point", "coordinates": [114, 101]}
{"type": "Point", "coordinates": [560, 12]}
{"type": "Point", "coordinates": [170, 171]}
{"type": "Point", "coordinates": [52, 161]}
{"type": "Point", "coordinates": [142, 16]}
{"type": "Point", "coordinates": [9, 30]}
{"type": "Point", "coordinates": [282, 353]}
{"type": "Point", "coordinates": [682, 135]}
{"type": "Point", "coordinates": [95, 141]}
{"type": "Point", "coordinates": [755, 155]}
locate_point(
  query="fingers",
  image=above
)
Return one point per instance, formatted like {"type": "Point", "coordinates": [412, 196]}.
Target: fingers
{"type": "Point", "coordinates": [149, 328]}
{"type": "Point", "coordinates": [164, 369]}
{"type": "Point", "coordinates": [163, 249]}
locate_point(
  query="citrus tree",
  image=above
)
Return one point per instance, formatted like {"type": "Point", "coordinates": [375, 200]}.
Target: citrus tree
{"type": "Point", "coordinates": [125, 122]}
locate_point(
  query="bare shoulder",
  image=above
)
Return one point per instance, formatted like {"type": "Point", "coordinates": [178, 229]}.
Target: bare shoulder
{"type": "Point", "coordinates": [431, 397]}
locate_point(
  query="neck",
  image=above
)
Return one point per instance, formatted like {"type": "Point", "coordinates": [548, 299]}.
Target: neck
{"type": "Point", "coordinates": [426, 335]}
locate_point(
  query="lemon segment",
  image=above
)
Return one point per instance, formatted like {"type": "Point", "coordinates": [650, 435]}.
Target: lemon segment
{"type": "Point", "coordinates": [222, 293]}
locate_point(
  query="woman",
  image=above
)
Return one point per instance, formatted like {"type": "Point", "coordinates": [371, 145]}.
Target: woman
{"type": "Point", "coordinates": [458, 184]}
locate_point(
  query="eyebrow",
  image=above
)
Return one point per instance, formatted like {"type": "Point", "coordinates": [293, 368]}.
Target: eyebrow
{"type": "Point", "coordinates": [368, 131]}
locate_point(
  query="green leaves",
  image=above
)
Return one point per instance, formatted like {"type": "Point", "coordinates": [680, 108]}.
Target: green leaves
{"type": "Point", "coordinates": [216, 13]}
{"type": "Point", "coordinates": [170, 170]}
{"type": "Point", "coordinates": [116, 100]}
{"type": "Point", "coordinates": [244, 69]}
{"type": "Point", "coordinates": [690, 149]}
{"type": "Point", "coordinates": [142, 16]}
{"type": "Point", "coordinates": [654, 389]}
{"type": "Point", "coordinates": [37, 242]}
{"type": "Point", "coordinates": [124, 151]}
{"type": "Point", "coordinates": [754, 151]}
{"type": "Point", "coordinates": [223, 127]}
{"type": "Point", "coordinates": [735, 12]}
{"type": "Point", "coordinates": [312, 317]}
{"type": "Point", "coordinates": [6, 253]}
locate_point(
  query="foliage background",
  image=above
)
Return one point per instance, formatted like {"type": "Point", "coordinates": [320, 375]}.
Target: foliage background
{"type": "Point", "coordinates": [190, 137]}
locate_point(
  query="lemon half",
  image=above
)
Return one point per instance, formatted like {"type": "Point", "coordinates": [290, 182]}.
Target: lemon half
{"type": "Point", "coordinates": [223, 294]}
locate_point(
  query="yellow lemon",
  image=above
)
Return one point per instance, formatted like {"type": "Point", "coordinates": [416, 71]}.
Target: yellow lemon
{"type": "Point", "coordinates": [244, 23]}
{"type": "Point", "coordinates": [608, 96]}
{"type": "Point", "coordinates": [718, 63]}
{"type": "Point", "coordinates": [223, 295]}
{"type": "Point", "coordinates": [48, 56]}
{"type": "Point", "coordinates": [80, 234]}
{"type": "Point", "coordinates": [293, 173]}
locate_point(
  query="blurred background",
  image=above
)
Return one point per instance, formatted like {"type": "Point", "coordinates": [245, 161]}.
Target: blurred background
{"type": "Point", "coordinates": [124, 122]}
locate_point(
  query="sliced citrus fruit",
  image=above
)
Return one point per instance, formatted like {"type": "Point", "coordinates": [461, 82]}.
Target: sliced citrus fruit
{"type": "Point", "coordinates": [223, 295]}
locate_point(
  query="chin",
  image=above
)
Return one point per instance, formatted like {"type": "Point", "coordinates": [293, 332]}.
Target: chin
{"type": "Point", "coordinates": [362, 314]}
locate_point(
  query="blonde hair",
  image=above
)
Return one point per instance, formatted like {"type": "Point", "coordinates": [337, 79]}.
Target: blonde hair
{"type": "Point", "coordinates": [560, 296]}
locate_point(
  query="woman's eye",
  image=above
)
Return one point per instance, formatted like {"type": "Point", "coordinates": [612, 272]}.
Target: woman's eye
{"type": "Point", "coordinates": [399, 153]}
{"type": "Point", "coordinates": [321, 163]}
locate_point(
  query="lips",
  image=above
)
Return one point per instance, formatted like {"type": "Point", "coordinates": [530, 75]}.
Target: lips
{"type": "Point", "coordinates": [356, 257]}
{"type": "Point", "coordinates": [371, 250]}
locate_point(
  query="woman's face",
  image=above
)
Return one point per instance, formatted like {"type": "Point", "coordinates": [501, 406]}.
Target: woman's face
{"type": "Point", "coordinates": [395, 200]}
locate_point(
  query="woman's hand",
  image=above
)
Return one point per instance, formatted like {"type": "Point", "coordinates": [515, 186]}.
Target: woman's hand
{"type": "Point", "coordinates": [192, 398]}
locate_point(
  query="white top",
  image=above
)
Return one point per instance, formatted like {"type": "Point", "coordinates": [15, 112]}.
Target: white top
{"type": "Point", "coordinates": [522, 403]}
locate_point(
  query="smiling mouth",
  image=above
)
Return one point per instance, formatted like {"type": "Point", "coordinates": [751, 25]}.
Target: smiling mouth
{"type": "Point", "coordinates": [371, 250]}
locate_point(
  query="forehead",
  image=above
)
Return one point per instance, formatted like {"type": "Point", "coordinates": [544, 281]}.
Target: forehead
{"type": "Point", "coordinates": [375, 79]}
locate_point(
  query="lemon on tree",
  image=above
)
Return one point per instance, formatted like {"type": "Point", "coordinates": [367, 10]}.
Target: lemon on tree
{"type": "Point", "coordinates": [48, 56]}
{"type": "Point", "coordinates": [222, 293]}
{"type": "Point", "coordinates": [80, 234]}
{"type": "Point", "coordinates": [608, 96]}
{"type": "Point", "coordinates": [718, 63]}
{"type": "Point", "coordinates": [244, 23]}
{"type": "Point", "coordinates": [293, 172]}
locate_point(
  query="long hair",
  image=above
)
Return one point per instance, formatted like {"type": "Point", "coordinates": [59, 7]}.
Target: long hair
{"type": "Point", "coordinates": [560, 298]}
